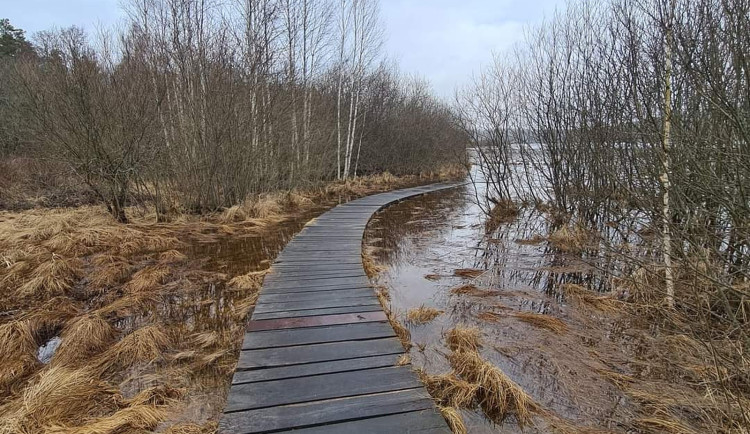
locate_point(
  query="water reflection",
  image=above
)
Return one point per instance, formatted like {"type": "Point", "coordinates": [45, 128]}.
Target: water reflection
{"type": "Point", "coordinates": [423, 240]}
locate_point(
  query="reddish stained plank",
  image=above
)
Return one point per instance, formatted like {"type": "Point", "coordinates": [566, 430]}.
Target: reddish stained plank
{"type": "Point", "coordinates": [313, 321]}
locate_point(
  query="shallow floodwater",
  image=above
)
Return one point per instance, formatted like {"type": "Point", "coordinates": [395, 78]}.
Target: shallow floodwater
{"type": "Point", "coordinates": [423, 240]}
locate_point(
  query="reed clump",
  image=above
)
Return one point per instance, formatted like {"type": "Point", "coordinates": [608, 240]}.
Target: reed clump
{"type": "Point", "coordinates": [497, 395]}
{"type": "Point", "coordinates": [422, 315]}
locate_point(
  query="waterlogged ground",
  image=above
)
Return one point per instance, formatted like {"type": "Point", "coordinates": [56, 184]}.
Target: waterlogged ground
{"type": "Point", "coordinates": [109, 327]}
{"type": "Point", "coordinates": [422, 241]}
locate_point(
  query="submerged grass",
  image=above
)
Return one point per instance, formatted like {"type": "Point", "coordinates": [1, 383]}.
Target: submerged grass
{"type": "Point", "coordinates": [497, 395]}
{"type": "Point", "coordinates": [422, 315]}
{"type": "Point", "coordinates": [542, 321]}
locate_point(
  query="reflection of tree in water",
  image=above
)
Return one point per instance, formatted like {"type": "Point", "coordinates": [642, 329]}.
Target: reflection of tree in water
{"type": "Point", "coordinates": [514, 263]}
{"type": "Point", "coordinates": [430, 215]}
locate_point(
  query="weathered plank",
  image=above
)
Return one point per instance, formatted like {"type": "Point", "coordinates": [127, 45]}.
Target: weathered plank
{"type": "Point", "coordinates": [372, 307]}
{"type": "Point", "coordinates": [318, 387]}
{"type": "Point", "coordinates": [422, 422]}
{"type": "Point", "coordinates": [283, 356]}
{"type": "Point", "coordinates": [322, 412]}
{"type": "Point", "coordinates": [316, 335]}
{"type": "Point", "coordinates": [317, 368]}
{"type": "Point", "coordinates": [314, 321]}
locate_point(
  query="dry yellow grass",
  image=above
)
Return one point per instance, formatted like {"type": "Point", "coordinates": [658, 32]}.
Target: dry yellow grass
{"type": "Point", "coordinates": [454, 419]}
{"type": "Point", "coordinates": [60, 396]}
{"type": "Point", "coordinates": [542, 321]}
{"type": "Point", "coordinates": [422, 315]}
{"type": "Point", "coordinates": [449, 390]}
{"type": "Point", "coordinates": [144, 345]}
{"type": "Point", "coordinates": [84, 337]}
{"type": "Point", "coordinates": [149, 278]}
{"type": "Point", "coordinates": [371, 267]}
{"type": "Point", "coordinates": [497, 395]}
{"type": "Point", "coordinates": [463, 338]}
{"type": "Point", "coordinates": [18, 355]}
{"type": "Point", "coordinates": [55, 276]}
{"type": "Point", "coordinates": [403, 334]}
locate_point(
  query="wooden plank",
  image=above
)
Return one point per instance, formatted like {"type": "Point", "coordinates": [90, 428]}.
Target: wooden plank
{"type": "Point", "coordinates": [317, 368]}
{"type": "Point", "coordinates": [302, 277]}
{"type": "Point", "coordinates": [284, 356]}
{"type": "Point", "coordinates": [314, 295]}
{"type": "Point", "coordinates": [317, 285]}
{"type": "Point", "coordinates": [322, 412]}
{"type": "Point", "coordinates": [318, 387]}
{"type": "Point", "coordinates": [422, 422]}
{"type": "Point", "coordinates": [375, 306]}
{"type": "Point", "coordinates": [314, 321]}
{"type": "Point", "coordinates": [316, 335]}
{"type": "Point", "coordinates": [316, 304]}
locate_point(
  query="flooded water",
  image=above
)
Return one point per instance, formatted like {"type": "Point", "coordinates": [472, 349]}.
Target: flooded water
{"type": "Point", "coordinates": [423, 240]}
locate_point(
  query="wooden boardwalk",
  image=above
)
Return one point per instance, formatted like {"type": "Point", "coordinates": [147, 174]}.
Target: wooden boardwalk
{"type": "Point", "coordinates": [319, 354]}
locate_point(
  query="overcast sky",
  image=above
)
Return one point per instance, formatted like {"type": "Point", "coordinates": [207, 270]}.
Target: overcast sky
{"type": "Point", "coordinates": [443, 41]}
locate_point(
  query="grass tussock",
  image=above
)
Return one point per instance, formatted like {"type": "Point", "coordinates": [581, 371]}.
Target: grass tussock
{"type": "Point", "coordinates": [84, 337]}
{"type": "Point", "coordinates": [449, 390]}
{"type": "Point", "coordinates": [422, 315]}
{"type": "Point", "coordinates": [144, 345]}
{"type": "Point", "coordinates": [58, 397]}
{"type": "Point", "coordinates": [149, 278]}
{"type": "Point", "coordinates": [540, 320]}
{"type": "Point", "coordinates": [18, 356]}
{"type": "Point", "coordinates": [497, 395]}
{"type": "Point", "coordinates": [454, 419]}
{"type": "Point", "coordinates": [433, 277]}
{"type": "Point", "coordinates": [463, 338]}
{"type": "Point", "coordinates": [472, 290]}
{"type": "Point", "coordinates": [53, 277]}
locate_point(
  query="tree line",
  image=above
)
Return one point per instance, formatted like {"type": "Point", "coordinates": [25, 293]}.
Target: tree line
{"type": "Point", "coordinates": [200, 103]}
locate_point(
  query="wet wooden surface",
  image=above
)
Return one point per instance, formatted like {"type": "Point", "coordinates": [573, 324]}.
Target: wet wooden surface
{"type": "Point", "coordinates": [319, 354]}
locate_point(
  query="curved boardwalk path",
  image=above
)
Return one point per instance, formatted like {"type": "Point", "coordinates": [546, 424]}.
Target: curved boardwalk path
{"type": "Point", "coordinates": [319, 354]}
